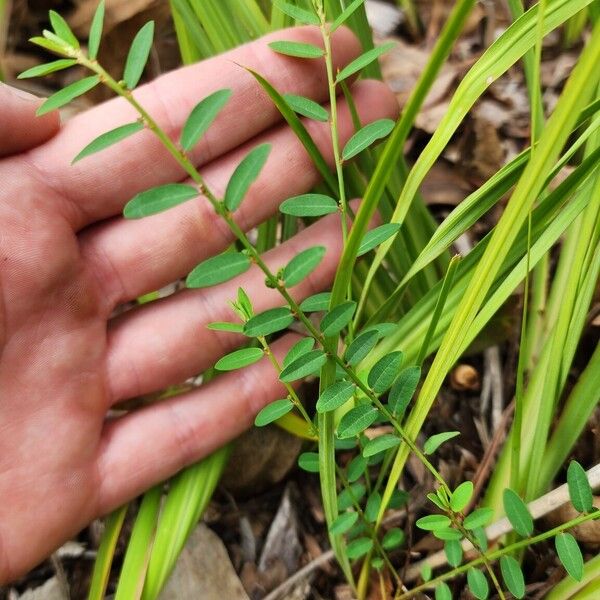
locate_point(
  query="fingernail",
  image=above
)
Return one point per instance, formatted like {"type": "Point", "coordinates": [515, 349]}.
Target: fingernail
{"type": "Point", "coordinates": [22, 94]}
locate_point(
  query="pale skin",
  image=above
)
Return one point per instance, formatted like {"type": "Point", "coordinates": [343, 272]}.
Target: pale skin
{"type": "Point", "coordinates": [68, 259]}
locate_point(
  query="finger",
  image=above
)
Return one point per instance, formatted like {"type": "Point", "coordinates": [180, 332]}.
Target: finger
{"type": "Point", "coordinates": [100, 185]}
{"type": "Point", "coordinates": [136, 257]}
{"type": "Point", "coordinates": [152, 444]}
{"type": "Point", "coordinates": [166, 342]}
{"type": "Point", "coordinates": [20, 129]}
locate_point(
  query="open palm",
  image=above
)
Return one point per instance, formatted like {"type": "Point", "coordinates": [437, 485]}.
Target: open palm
{"type": "Point", "coordinates": [67, 260]}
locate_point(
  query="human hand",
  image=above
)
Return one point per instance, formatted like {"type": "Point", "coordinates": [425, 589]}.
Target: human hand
{"type": "Point", "coordinates": [67, 260]}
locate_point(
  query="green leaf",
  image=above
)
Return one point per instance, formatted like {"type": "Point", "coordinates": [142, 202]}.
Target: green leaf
{"type": "Point", "coordinates": [426, 572]}
{"type": "Point", "coordinates": [47, 68]}
{"type": "Point", "coordinates": [380, 444]}
{"type": "Point", "coordinates": [224, 326]}
{"type": "Point", "coordinates": [335, 396]}
{"type": "Point", "coordinates": [343, 523]}
{"type": "Point", "coordinates": [442, 592]}
{"type": "Point", "coordinates": [358, 547]}
{"type": "Point", "coordinates": [454, 552]}
{"type": "Point", "coordinates": [385, 371]}
{"type": "Point", "coordinates": [297, 49]}
{"type": "Point", "coordinates": [477, 584]}
{"type": "Point", "coordinates": [580, 491]}
{"type": "Point", "coordinates": [316, 303]}
{"type": "Point", "coordinates": [356, 468]}
{"type": "Point", "coordinates": [512, 576]}
{"type": "Point", "coordinates": [67, 94]}
{"type": "Point", "coordinates": [273, 411]}
{"type": "Point", "coordinates": [569, 555]}
{"type": "Point", "coordinates": [447, 534]}
{"type": "Point", "coordinates": [157, 199]}
{"type": "Point", "coordinates": [304, 365]}
{"type": "Point", "coordinates": [298, 349]}
{"type": "Point", "coordinates": [309, 205]}
{"type": "Point", "coordinates": [218, 269]}
{"type": "Point", "coordinates": [270, 321]}
{"type": "Point", "coordinates": [239, 358]}
{"type": "Point", "coordinates": [435, 499]}
{"type": "Point", "coordinates": [393, 538]}
{"type": "Point", "coordinates": [244, 175]}
{"type": "Point", "coordinates": [302, 265]}
{"type": "Point", "coordinates": [435, 441]}
{"type": "Point", "coordinates": [349, 496]}
{"type": "Point", "coordinates": [52, 46]}
{"type": "Point", "coordinates": [403, 390]}
{"type": "Point", "coordinates": [377, 563]}
{"type": "Point", "coordinates": [478, 518]}
{"type": "Point", "coordinates": [372, 507]}
{"type": "Point", "coordinates": [361, 347]}
{"type": "Point", "coordinates": [138, 55]}
{"type": "Point", "coordinates": [345, 14]}
{"type": "Point", "coordinates": [307, 107]}
{"type": "Point", "coordinates": [309, 461]}
{"type": "Point", "coordinates": [202, 116]}
{"type": "Point", "coordinates": [433, 522]}
{"type": "Point", "coordinates": [337, 318]}
{"type": "Point", "coordinates": [112, 137]}
{"type": "Point", "coordinates": [62, 29]}
{"type": "Point", "coordinates": [355, 421]}
{"type": "Point", "coordinates": [301, 15]}
{"type": "Point", "coordinates": [363, 60]}
{"type": "Point", "coordinates": [96, 31]}
{"type": "Point", "coordinates": [364, 137]}
{"type": "Point", "coordinates": [461, 496]}
{"type": "Point", "coordinates": [376, 236]}
{"type": "Point", "coordinates": [517, 513]}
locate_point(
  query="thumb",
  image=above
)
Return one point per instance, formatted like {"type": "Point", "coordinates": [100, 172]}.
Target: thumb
{"type": "Point", "coordinates": [20, 129]}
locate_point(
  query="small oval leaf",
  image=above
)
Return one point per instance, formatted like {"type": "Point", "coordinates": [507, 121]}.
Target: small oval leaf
{"type": "Point", "coordinates": [360, 347]}
{"type": "Point", "coordinates": [454, 552]}
{"type": "Point", "coordinates": [377, 236]}
{"type": "Point", "coordinates": [244, 175]}
{"type": "Point", "coordinates": [109, 138]}
{"type": "Point", "coordinates": [335, 396]}
{"type": "Point", "coordinates": [202, 116]}
{"type": "Point", "coordinates": [433, 522]}
{"type": "Point", "coordinates": [403, 390]}
{"type": "Point", "coordinates": [380, 444]}
{"type": "Point", "coordinates": [309, 205]}
{"type": "Point", "coordinates": [224, 326]}
{"type": "Point", "coordinates": [343, 523]}
{"type": "Point", "coordinates": [512, 576]}
{"type": "Point", "coordinates": [138, 55]}
{"type": "Point", "coordinates": [570, 555]}
{"type": "Point", "coordinates": [157, 199]}
{"type": "Point", "coordinates": [517, 513]}
{"type": "Point", "coordinates": [96, 31]}
{"type": "Point", "coordinates": [47, 68]}
{"type": "Point", "coordinates": [306, 107]}
{"type": "Point", "coordinates": [337, 318]}
{"type": "Point", "coordinates": [442, 592]}
{"type": "Point", "coordinates": [478, 518]}
{"type": "Point", "coordinates": [384, 372]}
{"type": "Point", "coordinates": [393, 538]}
{"type": "Point", "coordinates": [346, 14]}
{"type": "Point", "coordinates": [218, 269]}
{"type": "Point", "coordinates": [300, 14]}
{"type": "Point", "coordinates": [355, 421]}
{"type": "Point", "coordinates": [304, 365]}
{"type": "Point", "coordinates": [64, 96]}
{"type": "Point", "coordinates": [363, 60]}
{"type": "Point", "coordinates": [270, 321]}
{"type": "Point", "coordinates": [478, 584]}
{"type": "Point", "coordinates": [435, 441]}
{"type": "Point", "coordinates": [239, 359]}
{"type": "Point", "coordinates": [316, 303]}
{"type": "Point", "coordinates": [358, 547]}
{"type": "Point", "coordinates": [580, 491]}
{"type": "Point", "coordinates": [302, 265]}
{"type": "Point", "coordinates": [349, 496]}
{"type": "Point", "coordinates": [298, 349]}
{"type": "Point", "coordinates": [364, 137]}
{"type": "Point", "coordinates": [62, 29]}
{"type": "Point", "coordinates": [309, 462]}
{"type": "Point", "coordinates": [461, 496]}
{"type": "Point", "coordinates": [297, 49]}
{"type": "Point", "coordinates": [273, 411]}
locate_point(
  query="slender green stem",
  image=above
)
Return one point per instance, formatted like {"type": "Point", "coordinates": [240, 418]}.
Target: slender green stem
{"type": "Point", "coordinates": [492, 556]}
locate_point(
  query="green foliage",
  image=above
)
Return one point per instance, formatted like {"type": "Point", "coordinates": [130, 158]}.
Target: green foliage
{"type": "Point", "coordinates": [218, 269]}
{"type": "Point", "coordinates": [96, 31]}
{"type": "Point", "coordinates": [517, 512]}
{"type": "Point", "coordinates": [301, 15]}
{"type": "Point", "coordinates": [363, 60]}
{"type": "Point", "coordinates": [298, 349]}
{"type": "Point", "coordinates": [380, 444]}
{"type": "Point", "coordinates": [337, 318]}
{"type": "Point", "coordinates": [309, 205]}
{"type": "Point", "coordinates": [335, 396]}
{"type": "Point", "coordinates": [478, 518]}
{"type": "Point", "coordinates": [355, 421]}
{"type": "Point", "coordinates": [454, 552]}
{"type": "Point", "coordinates": [580, 490]}
{"type": "Point", "coordinates": [403, 390]}
{"type": "Point", "coordinates": [138, 55]}
{"type": "Point", "coordinates": [46, 69]}
{"type": "Point", "coordinates": [354, 493]}
{"type": "Point", "coordinates": [512, 576]}
{"type": "Point", "coordinates": [359, 547]}
{"type": "Point", "coordinates": [461, 496]}
{"type": "Point", "coordinates": [244, 175]}
{"type": "Point", "coordinates": [202, 116]}
{"type": "Point", "coordinates": [239, 359]}
{"type": "Point", "coordinates": [435, 441]}
{"type": "Point", "coordinates": [361, 347]}
{"type": "Point", "coordinates": [302, 265]}
{"type": "Point", "coordinates": [273, 411]}
{"type": "Point", "coordinates": [385, 371]}
{"type": "Point", "coordinates": [111, 137]}
{"type": "Point", "coordinates": [366, 136]}
{"type": "Point", "coordinates": [307, 108]}
{"type": "Point", "coordinates": [433, 522]}
{"type": "Point", "coordinates": [157, 199]}
{"type": "Point", "coordinates": [376, 236]}
{"type": "Point", "coordinates": [478, 584]}
{"type": "Point", "coordinates": [316, 303]}
{"type": "Point", "coordinates": [309, 461]}
{"type": "Point", "coordinates": [393, 539]}
{"type": "Point", "coordinates": [297, 49]}
{"type": "Point", "coordinates": [62, 29]}
{"type": "Point", "coordinates": [343, 523]}
{"type": "Point", "coordinates": [442, 592]}
{"type": "Point", "coordinates": [304, 365]}
{"type": "Point", "coordinates": [346, 14]}
{"type": "Point", "coordinates": [270, 321]}
{"type": "Point", "coordinates": [570, 555]}
{"type": "Point", "coordinates": [68, 94]}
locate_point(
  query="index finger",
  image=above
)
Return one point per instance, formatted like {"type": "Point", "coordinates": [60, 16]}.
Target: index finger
{"type": "Point", "coordinates": [99, 186]}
